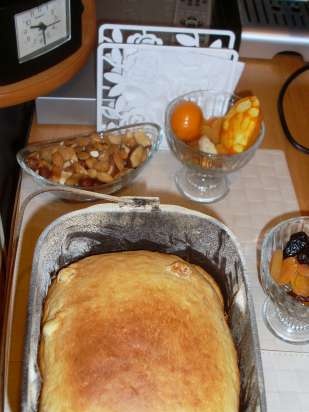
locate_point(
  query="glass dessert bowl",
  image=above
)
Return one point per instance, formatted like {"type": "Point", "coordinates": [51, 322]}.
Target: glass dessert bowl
{"type": "Point", "coordinates": [98, 162]}
{"type": "Point", "coordinates": [203, 177]}
{"type": "Point", "coordinates": [286, 309]}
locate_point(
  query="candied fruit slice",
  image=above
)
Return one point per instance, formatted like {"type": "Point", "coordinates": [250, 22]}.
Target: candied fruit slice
{"type": "Point", "coordinates": [241, 125]}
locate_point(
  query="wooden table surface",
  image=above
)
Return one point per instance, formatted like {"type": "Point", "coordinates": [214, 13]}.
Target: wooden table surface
{"type": "Point", "coordinates": [263, 78]}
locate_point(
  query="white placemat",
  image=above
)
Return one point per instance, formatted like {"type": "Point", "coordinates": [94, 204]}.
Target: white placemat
{"type": "Point", "coordinates": [261, 194]}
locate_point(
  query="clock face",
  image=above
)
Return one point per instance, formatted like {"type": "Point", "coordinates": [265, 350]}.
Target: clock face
{"type": "Point", "coordinates": [42, 28]}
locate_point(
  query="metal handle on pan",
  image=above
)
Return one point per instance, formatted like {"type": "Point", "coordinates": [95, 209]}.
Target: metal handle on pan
{"type": "Point", "coordinates": [18, 217]}
{"type": "Point", "coordinates": [134, 201]}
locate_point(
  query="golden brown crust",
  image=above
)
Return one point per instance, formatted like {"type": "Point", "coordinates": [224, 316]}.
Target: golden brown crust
{"type": "Point", "coordinates": [136, 332]}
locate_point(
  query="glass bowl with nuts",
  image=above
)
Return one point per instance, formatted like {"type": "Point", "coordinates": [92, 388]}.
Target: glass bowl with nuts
{"type": "Point", "coordinates": [213, 133]}
{"type": "Point", "coordinates": [100, 162]}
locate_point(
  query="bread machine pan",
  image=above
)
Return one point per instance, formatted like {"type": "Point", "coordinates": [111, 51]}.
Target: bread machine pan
{"type": "Point", "coordinates": [194, 236]}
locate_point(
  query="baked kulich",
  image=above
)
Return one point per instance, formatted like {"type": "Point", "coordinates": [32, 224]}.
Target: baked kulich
{"type": "Point", "coordinates": [134, 332]}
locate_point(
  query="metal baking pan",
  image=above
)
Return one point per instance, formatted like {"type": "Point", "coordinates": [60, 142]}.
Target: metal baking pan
{"type": "Point", "coordinates": [194, 236]}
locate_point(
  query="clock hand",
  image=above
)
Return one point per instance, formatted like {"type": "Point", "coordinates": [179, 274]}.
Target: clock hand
{"type": "Point", "coordinates": [55, 22]}
{"type": "Point", "coordinates": [40, 26]}
{"type": "Point", "coordinates": [44, 37]}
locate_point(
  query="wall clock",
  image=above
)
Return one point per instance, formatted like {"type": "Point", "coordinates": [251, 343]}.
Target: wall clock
{"type": "Point", "coordinates": [36, 34]}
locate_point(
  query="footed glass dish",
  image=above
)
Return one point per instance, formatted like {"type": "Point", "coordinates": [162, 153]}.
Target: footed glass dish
{"type": "Point", "coordinates": [284, 315]}
{"type": "Point", "coordinates": [203, 177]}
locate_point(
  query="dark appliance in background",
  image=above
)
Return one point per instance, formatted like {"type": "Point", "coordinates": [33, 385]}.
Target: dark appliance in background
{"type": "Point", "coordinates": [15, 123]}
{"type": "Point", "coordinates": [263, 28]}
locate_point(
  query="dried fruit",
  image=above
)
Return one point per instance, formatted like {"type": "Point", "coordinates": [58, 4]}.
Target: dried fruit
{"type": "Point", "coordinates": [303, 255]}
{"type": "Point", "coordinates": [291, 267]}
{"type": "Point", "coordinates": [206, 145]}
{"type": "Point", "coordinates": [288, 270]}
{"type": "Point", "coordinates": [276, 265]}
{"type": "Point", "coordinates": [295, 245]}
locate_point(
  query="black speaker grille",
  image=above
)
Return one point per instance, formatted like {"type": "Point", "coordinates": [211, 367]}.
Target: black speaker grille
{"type": "Point", "coordinates": [290, 14]}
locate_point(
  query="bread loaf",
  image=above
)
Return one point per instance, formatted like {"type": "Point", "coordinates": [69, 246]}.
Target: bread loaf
{"type": "Point", "coordinates": [134, 332]}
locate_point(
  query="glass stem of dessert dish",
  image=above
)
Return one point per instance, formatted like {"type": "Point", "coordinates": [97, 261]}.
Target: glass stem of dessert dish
{"type": "Point", "coordinates": [284, 326]}
{"type": "Point", "coordinates": [201, 187]}
{"type": "Point", "coordinates": [284, 274]}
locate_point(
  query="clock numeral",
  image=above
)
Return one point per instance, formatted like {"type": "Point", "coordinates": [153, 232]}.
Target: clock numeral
{"type": "Point", "coordinates": [28, 22]}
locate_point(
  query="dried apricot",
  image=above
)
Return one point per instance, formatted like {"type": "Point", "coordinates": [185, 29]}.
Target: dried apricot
{"type": "Point", "coordinates": [288, 271]}
{"type": "Point", "coordinates": [276, 265]}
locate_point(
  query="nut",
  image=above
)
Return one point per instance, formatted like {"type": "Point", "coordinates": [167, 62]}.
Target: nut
{"type": "Point", "coordinates": [118, 161]}
{"type": "Point", "coordinates": [137, 156]}
{"type": "Point", "coordinates": [82, 155]}
{"type": "Point", "coordinates": [142, 139]}
{"type": "Point", "coordinates": [91, 160]}
{"type": "Point", "coordinates": [115, 138]}
{"type": "Point", "coordinates": [57, 159]}
{"type": "Point", "coordinates": [104, 177]}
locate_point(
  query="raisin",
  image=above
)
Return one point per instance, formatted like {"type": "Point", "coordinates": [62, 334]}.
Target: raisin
{"type": "Point", "coordinates": [303, 255]}
{"type": "Point", "coordinates": [295, 245]}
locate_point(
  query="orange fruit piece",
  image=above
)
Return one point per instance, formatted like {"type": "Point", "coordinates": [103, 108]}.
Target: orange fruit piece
{"type": "Point", "coordinates": [186, 121]}
{"type": "Point", "coordinates": [212, 128]}
{"type": "Point", "coordinates": [300, 285]}
{"type": "Point", "coordinates": [276, 265]}
{"type": "Point", "coordinates": [288, 271]}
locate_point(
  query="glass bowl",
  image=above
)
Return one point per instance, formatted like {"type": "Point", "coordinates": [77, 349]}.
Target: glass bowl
{"type": "Point", "coordinates": [285, 316]}
{"type": "Point", "coordinates": [152, 130]}
{"type": "Point", "coordinates": [203, 177]}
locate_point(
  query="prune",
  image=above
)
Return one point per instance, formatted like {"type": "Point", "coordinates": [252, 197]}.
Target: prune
{"type": "Point", "coordinates": [295, 245]}
{"type": "Point", "coordinates": [300, 236]}
{"type": "Point", "coordinates": [303, 255]}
